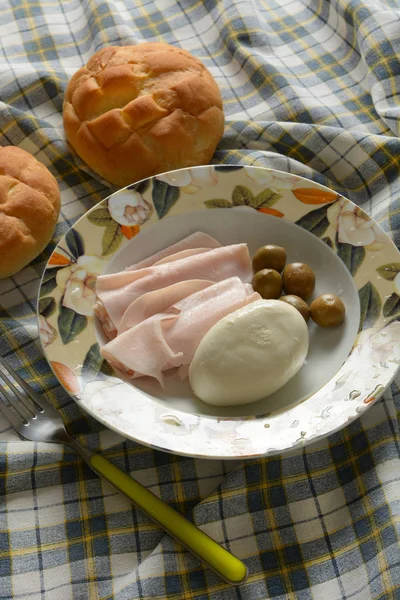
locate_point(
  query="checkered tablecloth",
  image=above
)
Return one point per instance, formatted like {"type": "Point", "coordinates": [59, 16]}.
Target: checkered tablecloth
{"type": "Point", "coordinates": [311, 87]}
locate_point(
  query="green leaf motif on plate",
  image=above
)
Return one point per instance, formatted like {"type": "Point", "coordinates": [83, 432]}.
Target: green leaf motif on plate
{"type": "Point", "coordinates": [70, 323]}
{"type": "Point", "coordinates": [242, 196]}
{"type": "Point", "coordinates": [389, 271]}
{"type": "Point", "coordinates": [141, 187]}
{"type": "Point", "coordinates": [370, 305]}
{"type": "Point", "coordinates": [391, 306]}
{"type": "Point", "coordinates": [112, 238]}
{"type": "Point", "coordinates": [327, 240]}
{"type": "Point", "coordinates": [265, 199]}
{"type": "Point", "coordinates": [164, 197]}
{"type": "Point", "coordinates": [94, 363]}
{"type": "Point", "coordinates": [47, 306]}
{"type": "Point", "coordinates": [351, 256]}
{"type": "Point", "coordinates": [218, 203]}
{"type": "Point", "coordinates": [315, 221]}
{"type": "Point", "coordinates": [75, 243]}
{"type": "Point", "coordinates": [100, 217]}
{"type": "Point", "coordinates": [49, 281]}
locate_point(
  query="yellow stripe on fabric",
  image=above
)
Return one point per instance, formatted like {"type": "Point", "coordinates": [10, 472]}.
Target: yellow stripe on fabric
{"type": "Point", "coordinates": [209, 589]}
{"type": "Point", "coordinates": [59, 46]}
{"type": "Point", "coordinates": [151, 24]}
{"type": "Point", "coordinates": [279, 546]}
{"type": "Point", "coordinates": [27, 6]}
{"type": "Point", "coordinates": [31, 89]}
{"type": "Point", "coordinates": [369, 509]}
{"type": "Point", "coordinates": [179, 495]}
{"type": "Point", "coordinates": [384, 59]}
{"type": "Point", "coordinates": [87, 538]}
{"type": "Point", "coordinates": [369, 110]}
{"type": "Point", "coordinates": [275, 535]}
{"type": "Point", "coordinates": [50, 147]}
{"type": "Point", "coordinates": [194, 594]}
{"type": "Point", "coordinates": [8, 552]}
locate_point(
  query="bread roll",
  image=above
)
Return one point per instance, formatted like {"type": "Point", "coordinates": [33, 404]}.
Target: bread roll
{"type": "Point", "coordinates": [29, 208]}
{"type": "Point", "coordinates": [134, 111]}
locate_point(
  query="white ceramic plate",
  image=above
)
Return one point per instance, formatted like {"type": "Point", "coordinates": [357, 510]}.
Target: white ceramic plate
{"type": "Point", "coordinates": [347, 368]}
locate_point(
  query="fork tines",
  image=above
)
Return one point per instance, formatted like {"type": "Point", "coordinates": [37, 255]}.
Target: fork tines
{"type": "Point", "coordinates": [25, 406]}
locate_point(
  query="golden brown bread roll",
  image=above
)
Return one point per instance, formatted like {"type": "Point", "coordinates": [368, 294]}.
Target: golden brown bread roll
{"type": "Point", "coordinates": [134, 111]}
{"type": "Point", "coordinates": [29, 208]}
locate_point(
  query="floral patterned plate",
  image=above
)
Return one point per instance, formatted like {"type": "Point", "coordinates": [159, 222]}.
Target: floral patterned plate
{"type": "Point", "coordinates": [346, 370]}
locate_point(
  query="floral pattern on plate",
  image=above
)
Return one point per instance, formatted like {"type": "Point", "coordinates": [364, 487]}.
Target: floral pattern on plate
{"type": "Point", "coordinates": [67, 296]}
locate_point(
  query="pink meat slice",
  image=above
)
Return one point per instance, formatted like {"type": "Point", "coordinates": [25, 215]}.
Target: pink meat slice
{"type": "Point", "coordinates": [159, 301]}
{"type": "Point", "coordinates": [199, 312]}
{"type": "Point", "coordinates": [180, 255]}
{"type": "Point", "coordinates": [194, 240]}
{"type": "Point", "coordinates": [109, 327]}
{"type": "Point", "coordinates": [168, 340]}
{"type": "Point", "coordinates": [117, 291]}
{"type": "Point", "coordinates": [151, 302]}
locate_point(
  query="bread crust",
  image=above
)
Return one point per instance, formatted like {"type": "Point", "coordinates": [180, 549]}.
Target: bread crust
{"type": "Point", "coordinates": [135, 111]}
{"type": "Point", "coordinates": [29, 208]}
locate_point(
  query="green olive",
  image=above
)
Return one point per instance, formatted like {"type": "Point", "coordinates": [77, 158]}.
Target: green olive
{"type": "Point", "coordinates": [267, 283]}
{"type": "Point", "coordinates": [269, 257]}
{"type": "Point", "coordinates": [327, 310]}
{"type": "Point", "coordinates": [299, 304]}
{"type": "Point", "coordinates": [298, 279]}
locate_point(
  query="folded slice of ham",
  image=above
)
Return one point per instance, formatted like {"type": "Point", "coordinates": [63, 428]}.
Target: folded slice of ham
{"type": "Point", "coordinates": [107, 324]}
{"type": "Point", "coordinates": [194, 240]}
{"type": "Point", "coordinates": [117, 291]}
{"type": "Point", "coordinates": [180, 255]}
{"type": "Point", "coordinates": [169, 339]}
{"type": "Point", "coordinates": [152, 302]}
{"type": "Point", "coordinates": [159, 301]}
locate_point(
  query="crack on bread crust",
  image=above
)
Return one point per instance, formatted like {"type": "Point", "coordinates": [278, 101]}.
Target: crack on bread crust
{"type": "Point", "coordinates": [157, 110]}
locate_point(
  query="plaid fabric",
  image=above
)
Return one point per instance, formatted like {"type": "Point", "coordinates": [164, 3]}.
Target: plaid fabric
{"type": "Point", "coordinates": [311, 87]}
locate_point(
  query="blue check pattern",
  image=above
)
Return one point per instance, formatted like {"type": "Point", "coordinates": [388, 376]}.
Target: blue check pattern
{"type": "Point", "coordinates": [311, 87]}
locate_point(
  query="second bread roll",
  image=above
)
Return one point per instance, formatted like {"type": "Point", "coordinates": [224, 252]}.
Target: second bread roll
{"type": "Point", "coordinates": [135, 111]}
{"type": "Point", "coordinates": [29, 208]}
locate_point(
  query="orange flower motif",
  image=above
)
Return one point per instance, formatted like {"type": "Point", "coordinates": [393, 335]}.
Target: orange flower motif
{"type": "Point", "coordinates": [67, 377]}
{"type": "Point", "coordinates": [58, 260]}
{"type": "Point", "coordinates": [313, 196]}
{"type": "Point", "coordinates": [369, 399]}
{"type": "Point", "coordinates": [271, 211]}
{"type": "Point", "coordinates": [129, 232]}
{"type": "Point", "coordinates": [377, 391]}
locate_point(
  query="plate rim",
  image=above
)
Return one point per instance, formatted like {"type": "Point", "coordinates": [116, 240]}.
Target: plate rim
{"type": "Point", "coordinates": [269, 452]}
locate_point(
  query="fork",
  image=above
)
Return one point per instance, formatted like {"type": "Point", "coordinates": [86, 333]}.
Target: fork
{"type": "Point", "coordinates": [35, 419]}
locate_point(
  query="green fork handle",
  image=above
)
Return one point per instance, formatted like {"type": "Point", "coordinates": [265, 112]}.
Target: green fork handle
{"type": "Point", "coordinates": [222, 562]}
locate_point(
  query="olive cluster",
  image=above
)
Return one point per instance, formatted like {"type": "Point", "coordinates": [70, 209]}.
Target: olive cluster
{"type": "Point", "coordinates": [297, 281]}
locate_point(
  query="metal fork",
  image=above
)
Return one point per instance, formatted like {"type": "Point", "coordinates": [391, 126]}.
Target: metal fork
{"type": "Point", "coordinates": [33, 417]}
